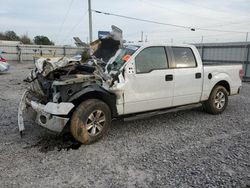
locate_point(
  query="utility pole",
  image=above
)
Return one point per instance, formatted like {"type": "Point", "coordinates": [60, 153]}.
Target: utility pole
{"type": "Point", "coordinates": [247, 37]}
{"type": "Point", "coordinates": [146, 40]}
{"type": "Point", "coordinates": [202, 38]}
{"type": "Point", "coordinates": [90, 22]}
{"type": "Point", "coordinates": [142, 36]}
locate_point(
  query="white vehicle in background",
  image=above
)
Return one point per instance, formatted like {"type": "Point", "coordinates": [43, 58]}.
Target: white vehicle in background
{"type": "Point", "coordinates": [4, 65]}
{"type": "Point", "coordinates": [140, 80]}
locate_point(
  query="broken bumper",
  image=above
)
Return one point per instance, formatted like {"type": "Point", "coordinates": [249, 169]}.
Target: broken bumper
{"type": "Point", "coordinates": [48, 116]}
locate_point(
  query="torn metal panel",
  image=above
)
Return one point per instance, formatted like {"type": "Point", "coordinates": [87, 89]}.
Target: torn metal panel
{"type": "Point", "coordinates": [47, 120]}
{"type": "Point", "coordinates": [117, 34]}
{"type": "Point", "coordinates": [45, 115]}
{"type": "Point", "coordinates": [53, 108]}
{"type": "Point", "coordinates": [80, 43]}
{"type": "Point", "coordinates": [51, 122]}
{"type": "Point", "coordinates": [77, 78]}
{"type": "Point", "coordinates": [36, 87]}
{"type": "Point", "coordinates": [21, 108]}
{"type": "Point", "coordinates": [58, 109]}
{"type": "Point", "coordinates": [107, 49]}
{"type": "Point", "coordinates": [47, 65]}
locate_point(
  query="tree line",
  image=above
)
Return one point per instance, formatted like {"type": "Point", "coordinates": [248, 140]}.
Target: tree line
{"type": "Point", "coordinates": [12, 36]}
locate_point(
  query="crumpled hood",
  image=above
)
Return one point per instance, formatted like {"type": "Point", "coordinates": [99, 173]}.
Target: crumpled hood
{"type": "Point", "coordinates": [100, 51]}
{"type": "Point", "coordinates": [46, 65]}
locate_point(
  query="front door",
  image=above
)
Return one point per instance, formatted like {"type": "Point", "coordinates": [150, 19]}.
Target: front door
{"type": "Point", "coordinates": [151, 86]}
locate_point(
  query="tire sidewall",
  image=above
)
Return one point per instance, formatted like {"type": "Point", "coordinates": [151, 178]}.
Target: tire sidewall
{"type": "Point", "coordinates": [80, 116]}
{"type": "Point", "coordinates": [213, 96]}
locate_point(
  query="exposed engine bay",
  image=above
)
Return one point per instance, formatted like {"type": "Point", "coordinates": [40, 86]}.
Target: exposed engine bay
{"type": "Point", "coordinates": [56, 79]}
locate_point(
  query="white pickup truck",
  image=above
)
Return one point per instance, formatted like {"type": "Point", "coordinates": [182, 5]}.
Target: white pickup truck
{"type": "Point", "coordinates": [139, 80]}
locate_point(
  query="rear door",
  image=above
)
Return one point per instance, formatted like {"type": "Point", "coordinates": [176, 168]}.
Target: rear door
{"type": "Point", "coordinates": [188, 76]}
{"type": "Point", "coordinates": [151, 86]}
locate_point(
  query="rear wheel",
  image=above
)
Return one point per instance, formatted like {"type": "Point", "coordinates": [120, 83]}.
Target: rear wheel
{"type": "Point", "coordinates": [217, 101]}
{"type": "Point", "coordinates": [90, 121]}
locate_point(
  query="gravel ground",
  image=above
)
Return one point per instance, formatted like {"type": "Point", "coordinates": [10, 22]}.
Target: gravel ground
{"type": "Point", "coordinates": [183, 149]}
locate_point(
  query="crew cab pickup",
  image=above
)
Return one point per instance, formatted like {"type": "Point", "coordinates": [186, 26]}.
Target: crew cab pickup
{"type": "Point", "coordinates": [138, 80]}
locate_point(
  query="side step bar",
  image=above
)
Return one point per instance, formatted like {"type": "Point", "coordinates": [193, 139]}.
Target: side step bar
{"type": "Point", "coordinates": [159, 112]}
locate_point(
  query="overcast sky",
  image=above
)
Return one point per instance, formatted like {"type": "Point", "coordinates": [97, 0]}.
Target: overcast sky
{"type": "Point", "coordinates": [61, 20]}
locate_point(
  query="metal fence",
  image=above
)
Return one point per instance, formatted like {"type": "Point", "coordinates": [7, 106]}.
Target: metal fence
{"type": "Point", "coordinates": [238, 52]}
{"type": "Point", "coordinates": [210, 53]}
{"type": "Point", "coordinates": [29, 52]}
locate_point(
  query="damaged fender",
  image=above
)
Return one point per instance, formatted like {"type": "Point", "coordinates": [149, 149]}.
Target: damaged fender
{"type": "Point", "coordinates": [108, 97]}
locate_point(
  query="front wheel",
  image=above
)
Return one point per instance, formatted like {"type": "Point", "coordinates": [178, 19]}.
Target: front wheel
{"type": "Point", "coordinates": [90, 121]}
{"type": "Point", "coordinates": [217, 101]}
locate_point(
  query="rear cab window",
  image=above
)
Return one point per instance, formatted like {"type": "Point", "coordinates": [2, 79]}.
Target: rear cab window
{"type": "Point", "coordinates": [184, 57]}
{"type": "Point", "coordinates": [151, 58]}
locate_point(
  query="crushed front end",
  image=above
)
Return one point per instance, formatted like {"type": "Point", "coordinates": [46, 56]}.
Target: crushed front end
{"type": "Point", "coordinates": [58, 85]}
{"type": "Point", "coordinates": [56, 81]}
{"type": "Point", "coordinates": [47, 100]}
{"type": "Point", "coordinates": [50, 115]}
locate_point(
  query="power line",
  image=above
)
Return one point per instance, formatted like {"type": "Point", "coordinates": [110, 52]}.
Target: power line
{"type": "Point", "coordinates": [208, 29]}
{"type": "Point", "coordinates": [191, 3]}
{"type": "Point", "coordinates": [167, 24]}
{"type": "Point", "coordinates": [139, 19]}
{"type": "Point", "coordinates": [207, 37]}
{"type": "Point", "coordinates": [212, 26]}
{"type": "Point", "coordinates": [218, 30]}
{"type": "Point", "coordinates": [152, 31]}
{"type": "Point", "coordinates": [227, 24]}
{"type": "Point", "coordinates": [174, 10]}
{"type": "Point", "coordinates": [193, 37]}
{"type": "Point", "coordinates": [199, 6]}
{"type": "Point", "coordinates": [75, 26]}
{"type": "Point", "coordinates": [164, 31]}
{"type": "Point", "coordinates": [64, 19]}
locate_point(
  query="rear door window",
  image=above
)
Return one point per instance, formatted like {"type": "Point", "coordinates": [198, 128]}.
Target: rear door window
{"type": "Point", "coordinates": [184, 57]}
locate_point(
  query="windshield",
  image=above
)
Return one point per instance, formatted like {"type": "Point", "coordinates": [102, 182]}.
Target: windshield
{"type": "Point", "coordinates": [117, 61]}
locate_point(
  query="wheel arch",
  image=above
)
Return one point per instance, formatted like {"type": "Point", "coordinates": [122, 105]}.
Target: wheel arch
{"type": "Point", "coordinates": [95, 92]}
{"type": "Point", "coordinates": [225, 84]}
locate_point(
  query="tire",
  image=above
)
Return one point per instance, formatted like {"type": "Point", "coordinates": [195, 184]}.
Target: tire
{"type": "Point", "coordinates": [217, 101]}
{"type": "Point", "coordinates": [90, 121]}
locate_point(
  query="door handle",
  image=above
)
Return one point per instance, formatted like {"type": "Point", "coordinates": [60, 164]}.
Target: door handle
{"type": "Point", "coordinates": [169, 77]}
{"type": "Point", "coordinates": [197, 75]}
